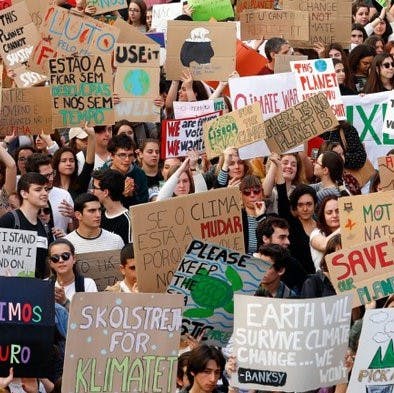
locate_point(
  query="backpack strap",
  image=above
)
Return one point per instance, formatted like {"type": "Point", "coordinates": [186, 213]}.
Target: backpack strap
{"type": "Point", "coordinates": [17, 221]}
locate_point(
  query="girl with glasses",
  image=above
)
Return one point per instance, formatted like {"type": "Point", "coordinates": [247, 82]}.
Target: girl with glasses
{"type": "Point", "coordinates": [381, 75]}
{"type": "Point", "coordinates": [137, 15]}
{"type": "Point", "coordinates": [68, 281]}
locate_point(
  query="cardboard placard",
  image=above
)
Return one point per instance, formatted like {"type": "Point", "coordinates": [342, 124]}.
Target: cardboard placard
{"type": "Point", "coordinates": [102, 267]}
{"type": "Point", "coordinates": [66, 33]}
{"type": "Point", "coordinates": [329, 20]}
{"type": "Point", "coordinates": [18, 252]}
{"type": "Point", "coordinates": [282, 62]}
{"type": "Point", "coordinates": [386, 172]}
{"type": "Point", "coordinates": [26, 111]}
{"type": "Point", "coordinates": [237, 128]}
{"type": "Point", "coordinates": [290, 344]}
{"type": "Point", "coordinates": [117, 342]}
{"type": "Point", "coordinates": [26, 78]}
{"type": "Point", "coordinates": [206, 268]}
{"type": "Point", "coordinates": [365, 218]}
{"type": "Point", "coordinates": [366, 113]}
{"type": "Point", "coordinates": [185, 109]}
{"type": "Point", "coordinates": [163, 230]}
{"type": "Point", "coordinates": [104, 6]}
{"type": "Point", "coordinates": [26, 326]}
{"type": "Point", "coordinates": [81, 89]}
{"type": "Point", "coordinates": [179, 136]}
{"type": "Point", "coordinates": [314, 76]}
{"type": "Point", "coordinates": [199, 47]}
{"type": "Point", "coordinates": [137, 81]}
{"type": "Point", "coordinates": [161, 13]}
{"type": "Point", "coordinates": [253, 4]}
{"type": "Point", "coordinates": [204, 10]}
{"type": "Point", "coordinates": [299, 123]}
{"type": "Point", "coordinates": [363, 270]}
{"type": "Point", "coordinates": [18, 35]}
{"type": "Point", "coordinates": [257, 24]}
{"type": "Point", "coordinates": [373, 365]}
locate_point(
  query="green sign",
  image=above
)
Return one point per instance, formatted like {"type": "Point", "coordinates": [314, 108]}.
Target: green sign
{"type": "Point", "coordinates": [204, 10]}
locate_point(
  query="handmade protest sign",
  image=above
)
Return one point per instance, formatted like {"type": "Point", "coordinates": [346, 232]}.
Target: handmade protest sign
{"type": "Point", "coordinates": [365, 270]}
{"type": "Point", "coordinates": [118, 343]}
{"type": "Point", "coordinates": [26, 78]}
{"type": "Point", "coordinates": [180, 136]}
{"type": "Point", "coordinates": [102, 267]}
{"type": "Point", "coordinates": [237, 128]}
{"type": "Point", "coordinates": [185, 109]}
{"type": "Point", "coordinates": [161, 13]}
{"type": "Point", "coordinates": [299, 123]}
{"type": "Point", "coordinates": [208, 277]}
{"type": "Point", "coordinates": [65, 33]}
{"type": "Point", "coordinates": [282, 62]}
{"type": "Point", "coordinates": [253, 4]}
{"type": "Point", "coordinates": [163, 230]}
{"type": "Point", "coordinates": [26, 111]}
{"type": "Point", "coordinates": [364, 218]}
{"type": "Point", "coordinates": [329, 20]}
{"type": "Point", "coordinates": [27, 326]}
{"type": "Point", "coordinates": [204, 10]}
{"type": "Point", "coordinates": [386, 172]}
{"type": "Point", "coordinates": [256, 24]}
{"type": "Point", "coordinates": [104, 6]}
{"type": "Point", "coordinates": [18, 35]}
{"type": "Point", "coordinates": [319, 76]}
{"type": "Point", "coordinates": [137, 81]}
{"type": "Point", "coordinates": [81, 89]}
{"type": "Point", "coordinates": [373, 366]}
{"type": "Point", "coordinates": [199, 47]}
{"type": "Point", "coordinates": [18, 252]}
{"type": "Point", "coordinates": [388, 124]}
{"type": "Point", "coordinates": [290, 344]}
{"type": "Point", "coordinates": [366, 113]}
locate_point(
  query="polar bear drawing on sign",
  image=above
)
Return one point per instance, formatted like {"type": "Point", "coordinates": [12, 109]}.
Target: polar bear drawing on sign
{"type": "Point", "coordinates": [197, 47]}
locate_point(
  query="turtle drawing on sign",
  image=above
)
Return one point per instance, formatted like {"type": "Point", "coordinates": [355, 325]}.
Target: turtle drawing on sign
{"type": "Point", "coordinates": [197, 48]}
{"type": "Point", "coordinates": [210, 293]}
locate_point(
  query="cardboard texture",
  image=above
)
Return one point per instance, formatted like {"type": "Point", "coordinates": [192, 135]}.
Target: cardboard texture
{"type": "Point", "coordinates": [329, 20]}
{"type": "Point", "coordinates": [18, 252]}
{"type": "Point", "coordinates": [179, 136]}
{"type": "Point", "coordinates": [161, 13]}
{"type": "Point", "coordinates": [26, 78]}
{"type": "Point", "coordinates": [299, 123]}
{"type": "Point", "coordinates": [137, 81]}
{"type": "Point", "coordinates": [237, 128]}
{"type": "Point", "coordinates": [81, 89]}
{"type": "Point", "coordinates": [26, 111]}
{"type": "Point", "coordinates": [282, 62]}
{"type": "Point", "coordinates": [373, 366]}
{"type": "Point", "coordinates": [118, 343]}
{"type": "Point", "coordinates": [363, 270]}
{"type": "Point", "coordinates": [199, 47]}
{"type": "Point", "coordinates": [65, 33]}
{"type": "Point", "coordinates": [315, 76]}
{"type": "Point", "coordinates": [366, 114]}
{"type": "Point", "coordinates": [104, 6]}
{"type": "Point", "coordinates": [130, 34]}
{"type": "Point", "coordinates": [253, 4]}
{"type": "Point", "coordinates": [386, 172]}
{"type": "Point", "coordinates": [204, 10]}
{"type": "Point", "coordinates": [288, 344]}
{"type": "Point", "coordinates": [257, 24]}
{"type": "Point", "coordinates": [102, 267]}
{"type": "Point", "coordinates": [163, 230]}
{"type": "Point", "coordinates": [27, 326]}
{"type": "Point", "coordinates": [18, 35]}
{"type": "Point", "coordinates": [205, 269]}
{"type": "Point", "coordinates": [365, 218]}
{"type": "Point", "coordinates": [185, 109]}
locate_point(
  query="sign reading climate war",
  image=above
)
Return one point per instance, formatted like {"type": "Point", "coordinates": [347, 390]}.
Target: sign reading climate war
{"type": "Point", "coordinates": [290, 344]}
{"type": "Point", "coordinates": [81, 89]}
{"type": "Point", "coordinates": [27, 322]}
{"type": "Point", "coordinates": [163, 230]}
{"type": "Point", "coordinates": [207, 277]}
{"type": "Point", "coordinates": [122, 343]}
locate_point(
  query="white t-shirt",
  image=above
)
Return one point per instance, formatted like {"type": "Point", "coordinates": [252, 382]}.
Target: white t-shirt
{"type": "Point", "coordinates": [69, 290]}
{"type": "Point", "coordinates": [98, 161]}
{"type": "Point", "coordinates": [316, 254]}
{"type": "Point", "coordinates": [56, 195]}
{"type": "Point", "coordinates": [104, 242]}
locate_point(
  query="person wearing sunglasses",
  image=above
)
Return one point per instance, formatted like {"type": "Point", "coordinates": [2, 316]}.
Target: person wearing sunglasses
{"type": "Point", "coordinates": [68, 281]}
{"type": "Point", "coordinates": [253, 210]}
{"type": "Point", "coordinates": [381, 75]}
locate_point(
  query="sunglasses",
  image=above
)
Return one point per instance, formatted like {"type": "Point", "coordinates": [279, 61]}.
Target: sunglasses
{"type": "Point", "coordinates": [45, 210]}
{"type": "Point", "coordinates": [388, 65]}
{"type": "Point", "coordinates": [65, 256]}
{"type": "Point", "coordinates": [249, 191]}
